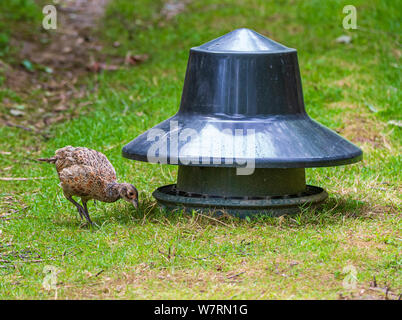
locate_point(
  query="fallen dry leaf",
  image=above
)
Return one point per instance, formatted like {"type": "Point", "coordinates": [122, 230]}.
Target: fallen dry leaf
{"type": "Point", "coordinates": [98, 67]}
{"type": "Point", "coordinates": [134, 59]}
{"type": "Point", "coordinates": [17, 113]}
{"type": "Point", "coordinates": [344, 39]}
{"type": "Point", "coordinates": [22, 179]}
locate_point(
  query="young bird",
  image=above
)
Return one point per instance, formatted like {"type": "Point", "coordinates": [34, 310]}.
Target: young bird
{"type": "Point", "coordinates": [88, 174]}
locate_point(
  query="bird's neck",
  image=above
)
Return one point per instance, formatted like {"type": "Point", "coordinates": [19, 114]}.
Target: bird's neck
{"type": "Point", "coordinates": [112, 192]}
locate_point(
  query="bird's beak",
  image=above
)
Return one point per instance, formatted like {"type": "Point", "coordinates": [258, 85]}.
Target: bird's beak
{"type": "Point", "coordinates": [135, 203]}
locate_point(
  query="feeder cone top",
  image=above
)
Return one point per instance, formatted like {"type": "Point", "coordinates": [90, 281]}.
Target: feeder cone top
{"type": "Point", "coordinates": [242, 102]}
{"type": "Point", "coordinates": [243, 41]}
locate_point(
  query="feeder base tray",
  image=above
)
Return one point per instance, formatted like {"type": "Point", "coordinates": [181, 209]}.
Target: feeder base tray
{"type": "Point", "coordinates": [172, 198]}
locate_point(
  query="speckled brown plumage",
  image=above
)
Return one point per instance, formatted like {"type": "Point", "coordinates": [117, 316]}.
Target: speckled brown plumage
{"type": "Point", "coordinates": [88, 174]}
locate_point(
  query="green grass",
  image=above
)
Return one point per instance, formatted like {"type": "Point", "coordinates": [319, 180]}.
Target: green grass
{"type": "Point", "coordinates": [148, 254]}
{"type": "Point", "coordinates": [16, 16]}
{"type": "Point", "coordinates": [19, 19]}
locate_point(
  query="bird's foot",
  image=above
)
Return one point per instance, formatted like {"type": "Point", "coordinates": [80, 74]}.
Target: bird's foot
{"type": "Point", "coordinates": [88, 224]}
{"type": "Point", "coordinates": [81, 212]}
{"type": "Point", "coordinates": [84, 224]}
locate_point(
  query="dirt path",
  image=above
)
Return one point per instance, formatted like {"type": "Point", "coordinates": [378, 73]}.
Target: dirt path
{"type": "Point", "coordinates": [73, 42]}
{"type": "Point", "coordinates": [53, 62]}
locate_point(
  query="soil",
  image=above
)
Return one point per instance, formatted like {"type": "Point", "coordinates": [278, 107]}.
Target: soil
{"type": "Point", "coordinates": [362, 129]}
{"type": "Point", "coordinates": [57, 59]}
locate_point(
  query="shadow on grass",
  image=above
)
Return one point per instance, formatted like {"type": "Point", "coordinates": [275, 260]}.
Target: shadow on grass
{"type": "Point", "coordinates": [332, 212]}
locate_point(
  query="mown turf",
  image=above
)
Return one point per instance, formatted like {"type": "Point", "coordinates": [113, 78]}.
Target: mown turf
{"type": "Point", "coordinates": [149, 253]}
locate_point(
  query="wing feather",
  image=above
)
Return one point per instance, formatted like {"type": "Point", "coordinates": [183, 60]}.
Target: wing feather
{"type": "Point", "coordinates": [82, 181]}
{"type": "Point", "coordinates": [70, 156]}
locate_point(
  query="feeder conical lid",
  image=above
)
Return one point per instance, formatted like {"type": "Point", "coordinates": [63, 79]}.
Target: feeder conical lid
{"type": "Point", "coordinates": [242, 102]}
{"type": "Point", "coordinates": [243, 40]}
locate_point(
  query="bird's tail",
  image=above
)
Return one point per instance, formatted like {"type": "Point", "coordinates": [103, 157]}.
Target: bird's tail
{"type": "Point", "coordinates": [49, 160]}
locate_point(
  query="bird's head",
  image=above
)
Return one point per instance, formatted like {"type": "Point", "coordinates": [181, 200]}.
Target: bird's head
{"type": "Point", "coordinates": [129, 193]}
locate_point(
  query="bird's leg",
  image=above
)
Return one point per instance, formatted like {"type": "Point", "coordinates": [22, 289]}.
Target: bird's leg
{"type": "Point", "coordinates": [79, 208]}
{"type": "Point", "coordinates": [86, 213]}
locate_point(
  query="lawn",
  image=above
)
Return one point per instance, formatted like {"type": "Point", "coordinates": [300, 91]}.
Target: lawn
{"type": "Point", "coordinates": [352, 88]}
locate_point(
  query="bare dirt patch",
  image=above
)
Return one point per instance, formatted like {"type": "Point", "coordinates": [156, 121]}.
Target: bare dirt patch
{"type": "Point", "coordinates": [51, 65]}
{"type": "Point", "coordinates": [361, 129]}
{"type": "Point", "coordinates": [139, 277]}
{"type": "Point", "coordinates": [372, 291]}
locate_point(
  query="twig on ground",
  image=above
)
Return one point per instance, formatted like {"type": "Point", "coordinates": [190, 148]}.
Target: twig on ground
{"type": "Point", "coordinates": [374, 283]}
{"type": "Point", "coordinates": [34, 260]}
{"type": "Point", "coordinates": [44, 135]}
{"type": "Point", "coordinates": [236, 275]}
{"type": "Point", "coordinates": [99, 273]}
{"type": "Point", "coordinates": [212, 218]}
{"type": "Point", "coordinates": [22, 179]}
{"type": "Point", "coordinates": [171, 253]}
{"type": "Point", "coordinates": [9, 124]}
{"type": "Point", "coordinates": [4, 261]}
{"type": "Point", "coordinates": [203, 258]}
{"type": "Point", "coordinates": [11, 218]}
{"type": "Point", "coordinates": [385, 291]}
{"type": "Point", "coordinates": [2, 246]}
